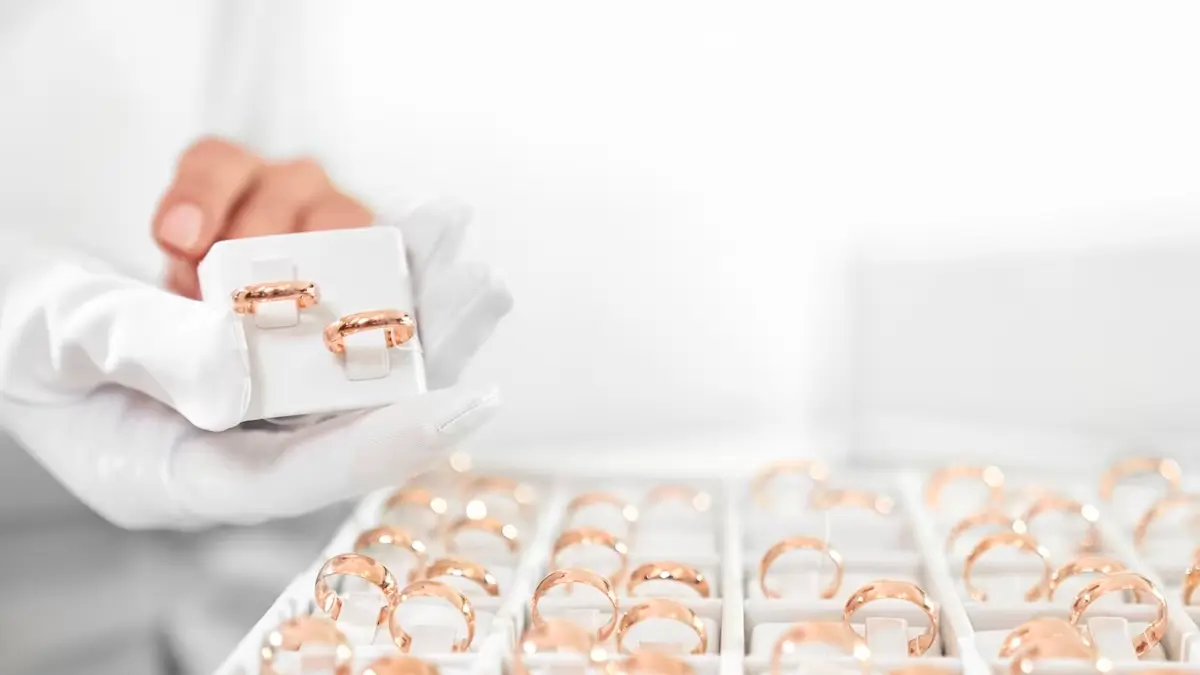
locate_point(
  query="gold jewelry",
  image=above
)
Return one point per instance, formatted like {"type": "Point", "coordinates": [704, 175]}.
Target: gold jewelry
{"type": "Point", "coordinates": [991, 476]}
{"type": "Point", "coordinates": [1033, 630]}
{"type": "Point", "coordinates": [552, 635]}
{"type": "Point", "coordinates": [795, 544]}
{"type": "Point", "coordinates": [661, 608]}
{"type": "Point", "coordinates": [419, 497]}
{"type": "Point", "coordinates": [1191, 578]}
{"type": "Point", "coordinates": [833, 633]}
{"type": "Point", "coordinates": [247, 298]}
{"type": "Point", "coordinates": [872, 501]}
{"type": "Point", "coordinates": [1088, 564]}
{"type": "Point", "coordinates": [355, 565]}
{"type": "Point", "coordinates": [519, 493]}
{"type": "Point", "coordinates": [489, 525]}
{"type": "Point", "coordinates": [697, 499]}
{"type": "Point", "coordinates": [1061, 646]}
{"type": "Point", "coordinates": [388, 535]}
{"type": "Point", "coordinates": [400, 665]}
{"type": "Point", "coordinates": [1024, 542]}
{"type": "Point", "coordinates": [591, 536]}
{"type": "Point", "coordinates": [433, 589]}
{"type": "Point", "coordinates": [293, 634]}
{"type": "Point", "coordinates": [1167, 468]}
{"type": "Point", "coordinates": [647, 663]}
{"type": "Point", "coordinates": [669, 571]}
{"type": "Point", "coordinates": [463, 569]}
{"type": "Point", "coordinates": [885, 589]}
{"type": "Point", "coordinates": [1049, 503]}
{"type": "Point", "coordinates": [628, 511]}
{"type": "Point", "coordinates": [1156, 511]}
{"type": "Point", "coordinates": [1125, 581]}
{"type": "Point", "coordinates": [978, 520]}
{"type": "Point", "coordinates": [577, 576]}
{"type": "Point", "coordinates": [817, 472]}
{"type": "Point", "coordinates": [397, 326]}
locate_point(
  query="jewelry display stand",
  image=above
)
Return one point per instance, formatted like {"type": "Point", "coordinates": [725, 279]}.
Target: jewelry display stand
{"type": "Point", "coordinates": [881, 526]}
{"type": "Point", "coordinates": [292, 370]}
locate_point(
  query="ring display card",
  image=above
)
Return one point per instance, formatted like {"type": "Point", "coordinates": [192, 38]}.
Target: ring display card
{"type": "Point", "coordinates": [895, 573]}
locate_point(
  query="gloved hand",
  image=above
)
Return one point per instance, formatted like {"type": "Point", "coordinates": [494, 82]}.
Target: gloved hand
{"type": "Point", "coordinates": [130, 395]}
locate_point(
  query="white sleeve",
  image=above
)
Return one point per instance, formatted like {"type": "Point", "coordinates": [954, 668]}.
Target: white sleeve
{"type": "Point", "coordinates": [70, 324]}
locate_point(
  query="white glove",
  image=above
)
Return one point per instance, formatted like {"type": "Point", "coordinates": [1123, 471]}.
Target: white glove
{"type": "Point", "coordinates": [130, 395]}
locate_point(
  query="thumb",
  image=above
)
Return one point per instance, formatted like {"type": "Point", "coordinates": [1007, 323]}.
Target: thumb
{"type": "Point", "coordinates": [247, 476]}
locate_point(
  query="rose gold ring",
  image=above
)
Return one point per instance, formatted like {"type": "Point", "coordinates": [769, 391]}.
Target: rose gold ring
{"type": "Point", "coordinates": [990, 476]}
{"type": "Point", "coordinates": [975, 520]}
{"type": "Point", "coordinates": [1125, 581]}
{"type": "Point", "coordinates": [301, 631]}
{"type": "Point", "coordinates": [560, 636]}
{"type": "Point", "coordinates": [698, 499]}
{"type": "Point", "coordinates": [304, 293]}
{"type": "Point", "coordinates": [397, 326]}
{"type": "Point", "coordinates": [463, 569]}
{"type": "Point", "coordinates": [354, 565]}
{"type": "Point", "coordinates": [872, 501]}
{"type": "Point", "coordinates": [629, 512]}
{"type": "Point", "coordinates": [1034, 630]}
{"type": "Point", "coordinates": [1157, 510]}
{"type": "Point", "coordinates": [400, 664]}
{"type": "Point", "coordinates": [1191, 578]}
{"type": "Point", "coordinates": [1088, 564]}
{"type": "Point", "coordinates": [1063, 646]}
{"type": "Point", "coordinates": [521, 494]}
{"type": "Point", "coordinates": [833, 633]}
{"type": "Point", "coordinates": [817, 472]}
{"type": "Point", "coordinates": [885, 589]}
{"type": "Point", "coordinates": [1050, 503]}
{"type": "Point", "coordinates": [648, 663]}
{"type": "Point", "coordinates": [419, 497]}
{"type": "Point", "coordinates": [592, 536]}
{"type": "Point", "coordinates": [577, 576]}
{"type": "Point", "coordinates": [433, 589]}
{"type": "Point", "coordinates": [800, 544]}
{"type": "Point", "coordinates": [670, 571]}
{"type": "Point", "coordinates": [921, 669]}
{"type": "Point", "coordinates": [662, 608]}
{"type": "Point", "coordinates": [1167, 468]}
{"type": "Point", "coordinates": [489, 525]}
{"type": "Point", "coordinates": [388, 535]}
{"type": "Point", "coordinates": [1019, 540]}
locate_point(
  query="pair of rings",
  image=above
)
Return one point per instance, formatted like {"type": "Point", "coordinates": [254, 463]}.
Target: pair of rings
{"type": "Point", "coordinates": [306, 631]}
{"type": "Point", "coordinates": [631, 513]}
{"type": "Point", "coordinates": [388, 535]}
{"type": "Point", "coordinates": [366, 567]}
{"type": "Point", "coordinates": [398, 327]}
{"type": "Point", "coordinates": [427, 500]}
{"type": "Point", "coordinates": [841, 634]}
{"type": "Point", "coordinates": [821, 497]}
{"type": "Point", "coordinates": [1048, 503]}
{"type": "Point", "coordinates": [565, 636]}
{"type": "Point", "coordinates": [621, 624]}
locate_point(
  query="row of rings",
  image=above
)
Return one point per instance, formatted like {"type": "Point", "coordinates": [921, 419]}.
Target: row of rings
{"type": "Point", "coordinates": [565, 636]}
{"type": "Point", "coordinates": [374, 572]}
{"type": "Point", "coordinates": [398, 327]}
{"type": "Point", "coordinates": [670, 609]}
{"type": "Point", "coordinates": [399, 538]}
{"type": "Point", "coordinates": [310, 631]}
{"type": "Point", "coordinates": [821, 498]}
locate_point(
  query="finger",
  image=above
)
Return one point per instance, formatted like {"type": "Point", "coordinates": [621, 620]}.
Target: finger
{"type": "Point", "coordinates": [280, 194]}
{"type": "Point", "coordinates": [246, 477]}
{"type": "Point", "coordinates": [433, 235]}
{"type": "Point", "coordinates": [335, 211]}
{"type": "Point", "coordinates": [457, 313]}
{"type": "Point", "coordinates": [211, 178]}
{"type": "Point", "coordinates": [182, 278]}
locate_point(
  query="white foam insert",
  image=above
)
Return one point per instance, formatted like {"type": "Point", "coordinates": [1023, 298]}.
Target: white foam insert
{"type": "Point", "coordinates": [292, 371]}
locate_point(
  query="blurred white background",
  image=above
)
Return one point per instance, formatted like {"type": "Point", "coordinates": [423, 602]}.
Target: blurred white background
{"type": "Point", "coordinates": [889, 229]}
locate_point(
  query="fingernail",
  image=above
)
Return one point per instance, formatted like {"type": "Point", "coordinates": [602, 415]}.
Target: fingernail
{"type": "Point", "coordinates": [180, 227]}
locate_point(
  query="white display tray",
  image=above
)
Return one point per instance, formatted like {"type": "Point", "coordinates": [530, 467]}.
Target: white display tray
{"type": "Point", "coordinates": [911, 546]}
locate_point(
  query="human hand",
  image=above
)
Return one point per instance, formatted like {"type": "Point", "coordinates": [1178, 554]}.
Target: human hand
{"type": "Point", "coordinates": [223, 191]}
{"type": "Point", "coordinates": [130, 395]}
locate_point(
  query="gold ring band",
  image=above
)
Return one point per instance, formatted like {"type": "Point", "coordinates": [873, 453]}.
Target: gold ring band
{"type": "Point", "coordinates": [1157, 510]}
{"type": "Point", "coordinates": [991, 476]}
{"type": "Point", "coordinates": [304, 293]}
{"type": "Point", "coordinates": [862, 499]}
{"type": "Point", "coordinates": [433, 589]}
{"type": "Point", "coordinates": [552, 635]}
{"type": "Point", "coordinates": [669, 571]}
{"type": "Point", "coordinates": [1061, 646]}
{"type": "Point", "coordinates": [1033, 630]}
{"type": "Point", "coordinates": [647, 663]}
{"type": "Point", "coordinates": [418, 497]}
{"type": "Point", "coordinates": [800, 544]}
{"type": "Point", "coordinates": [400, 664]}
{"type": "Point", "coordinates": [1191, 578]}
{"type": "Point", "coordinates": [519, 493]}
{"type": "Point", "coordinates": [629, 512]}
{"type": "Point", "coordinates": [389, 535]}
{"type": "Point", "coordinates": [977, 520]}
{"type": "Point", "coordinates": [1132, 466]}
{"type": "Point", "coordinates": [566, 577]}
{"type": "Point", "coordinates": [817, 472]}
{"type": "Point", "coordinates": [592, 536]}
{"type": "Point", "coordinates": [504, 531]}
{"type": "Point", "coordinates": [354, 565]}
{"type": "Point", "coordinates": [461, 568]}
{"type": "Point", "coordinates": [699, 500]}
{"type": "Point", "coordinates": [397, 327]}
{"type": "Point", "coordinates": [1054, 503]}
{"type": "Point", "coordinates": [1088, 564]}
{"type": "Point", "coordinates": [1125, 581]}
{"type": "Point", "coordinates": [833, 633]}
{"type": "Point", "coordinates": [886, 589]}
{"type": "Point", "coordinates": [1018, 540]}
{"type": "Point", "coordinates": [662, 608]}
{"type": "Point", "coordinates": [293, 634]}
